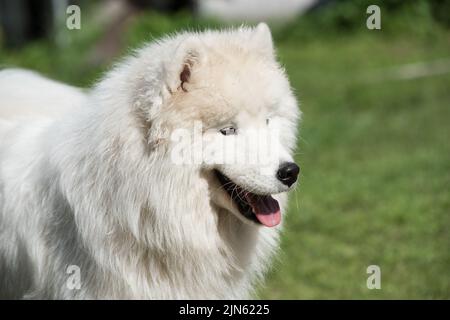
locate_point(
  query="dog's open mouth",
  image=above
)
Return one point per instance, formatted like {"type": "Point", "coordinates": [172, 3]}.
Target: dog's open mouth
{"type": "Point", "coordinates": [262, 209]}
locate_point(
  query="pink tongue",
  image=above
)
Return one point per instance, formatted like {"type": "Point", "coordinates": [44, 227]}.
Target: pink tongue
{"type": "Point", "coordinates": [265, 208]}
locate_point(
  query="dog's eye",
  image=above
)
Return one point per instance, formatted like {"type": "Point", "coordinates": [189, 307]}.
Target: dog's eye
{"type": "Point", "coordinates": [228, 131]}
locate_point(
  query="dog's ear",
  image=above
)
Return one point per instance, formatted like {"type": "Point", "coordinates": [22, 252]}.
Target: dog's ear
{"type": "Point", "coordinates": [262, 39]}
{"type": "Point", "coordinates": [188, 56]}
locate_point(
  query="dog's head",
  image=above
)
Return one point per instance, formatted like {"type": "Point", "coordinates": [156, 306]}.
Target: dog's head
{"type": "Point", "coordinates": [230, 112]}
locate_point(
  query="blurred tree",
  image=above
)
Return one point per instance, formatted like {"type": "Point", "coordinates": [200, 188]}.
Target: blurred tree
{"type": "Point", "coordinates": [165, 5]}
{"type": "Point", "coordinates": [24, 20]}
{"type": "Point", "coordinates": [120, 14]}
{"type": "Point", "coordinates": [441, 11]}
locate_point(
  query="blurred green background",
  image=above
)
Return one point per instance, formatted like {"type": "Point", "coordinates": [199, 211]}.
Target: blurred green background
{"type": "Point", "coordinates": [374, 142]}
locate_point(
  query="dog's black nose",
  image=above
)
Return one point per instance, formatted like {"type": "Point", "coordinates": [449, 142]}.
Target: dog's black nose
{"type": "Point", "coordinates": [287, 173]}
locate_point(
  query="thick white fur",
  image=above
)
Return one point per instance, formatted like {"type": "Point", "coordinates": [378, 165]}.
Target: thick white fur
{"type": "Point", "coordinates": [86, 178]}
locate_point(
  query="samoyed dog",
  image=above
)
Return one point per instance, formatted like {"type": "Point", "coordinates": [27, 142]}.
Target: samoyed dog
{"type": "Point", "coordinates": [106, 194]}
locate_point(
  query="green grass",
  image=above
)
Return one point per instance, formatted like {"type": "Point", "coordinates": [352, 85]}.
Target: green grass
{"type": "Point", "coordinates": [376, 173]}
{"type": "Point", "coordinates": [375, 154]}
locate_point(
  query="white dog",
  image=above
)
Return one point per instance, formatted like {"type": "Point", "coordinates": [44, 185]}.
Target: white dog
{"type": "Point", "coordinates": [93, 204]}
